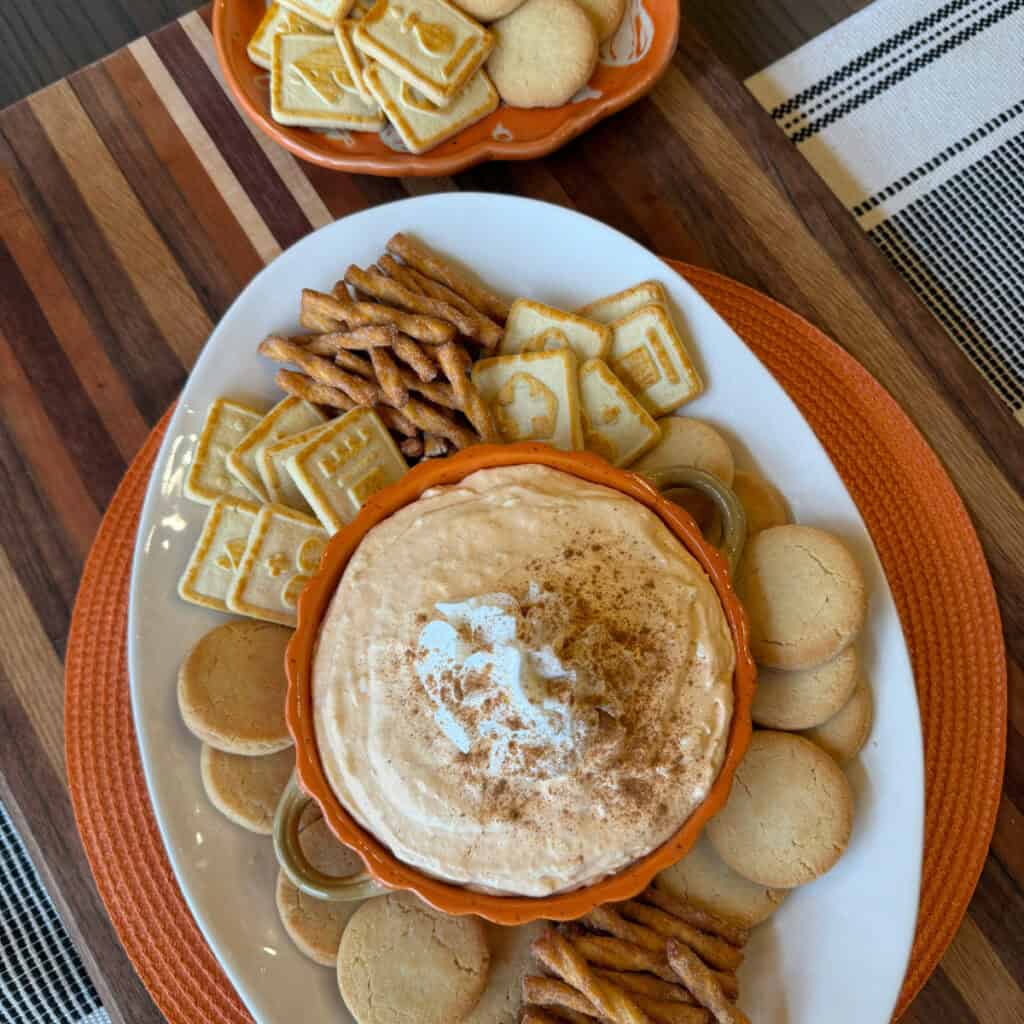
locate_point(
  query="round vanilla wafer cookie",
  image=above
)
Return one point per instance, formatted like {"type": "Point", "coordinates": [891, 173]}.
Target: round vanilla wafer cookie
{"type": "Point", "coordinates": [846, 732]}
{"type": "Point", "coordinates": [804, 595]}
{"type": "Point", "coordinates": [689, 442]}
{"type": "Point", "coordinates": [488, 10]}
{"type": "Point", "coordinates": [231, 688]}
{"type": "Point", "coordinates": [403, 961]}
{"type": "Point", "coordinates": [789, 815]}
{"type": "Point", "coordinates": [704, 880]}
{"type": "Point", "coordinates": [763, 502]}
{"type": "Point", "coordinates": [605, 14]}
{"type": "Point", "coordinates": [802, 698]}
{"type": "Point", "coordinates": [314, 925]}
{"type": "Point", "coordinates": [545, 53]}
{"type": "Point", "coordinates": [246, 789]}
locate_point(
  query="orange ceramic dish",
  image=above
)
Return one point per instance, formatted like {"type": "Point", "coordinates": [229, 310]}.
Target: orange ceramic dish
{"type": "Point", "coordinates": [630, 64]}
{"type": "Point", "coordinates": [313, 603]}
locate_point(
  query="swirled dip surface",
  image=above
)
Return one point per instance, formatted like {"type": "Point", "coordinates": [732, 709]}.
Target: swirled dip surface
{"type": "Point", "coordinates": [523, 682]}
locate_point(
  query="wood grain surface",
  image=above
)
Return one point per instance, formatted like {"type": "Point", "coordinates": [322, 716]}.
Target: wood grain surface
{"type": "Point", "coordinates": [46, 41]}
{"type": "Point", "coordinates": [135, 202]}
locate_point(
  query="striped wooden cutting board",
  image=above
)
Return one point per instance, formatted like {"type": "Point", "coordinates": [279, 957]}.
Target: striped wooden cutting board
{"type": "Point", "coordinates": [135, 203]}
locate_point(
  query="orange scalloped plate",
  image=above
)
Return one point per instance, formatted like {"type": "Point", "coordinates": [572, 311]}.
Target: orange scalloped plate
{"type": "Point", "coordinates": [313, 604]}
{"type": "Point", "coordinates": [631, 62]}
{"type": "Point", "coordinates": [925, 540]}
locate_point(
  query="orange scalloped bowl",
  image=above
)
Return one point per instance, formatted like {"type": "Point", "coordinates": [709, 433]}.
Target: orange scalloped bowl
{"type": "Point", "coordinates": [629, 65]}
{"type": "Point", "coordinates": [313, 603]}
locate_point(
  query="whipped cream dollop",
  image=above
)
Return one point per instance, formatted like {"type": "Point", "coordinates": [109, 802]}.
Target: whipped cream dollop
{"type": "Point", "coordinates": [489, 686]}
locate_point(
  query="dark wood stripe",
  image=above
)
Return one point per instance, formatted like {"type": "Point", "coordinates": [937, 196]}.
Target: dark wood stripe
{"type": "Point", "coordinates": [1013, 781]}
{"type": "Point", "coordinates": [939, 1002]}
{"type": "Point", "coordinates": [380, 190]}
{"type": "Point", "coordinates": [340, 192]}
{"type": "Point", "coordinates": [27, 785]}
{"type": "Point", "coordinates": [490, 177]}
{"type": "Point", "coordinates": [1007, 846]}
{"type": "Point", "coordinates": [182, 232]}
{"type": "Point", "coordinates": [589, 196]}
{"type": "Point", "coordinates": [37, 546]}
{"type": "Point", "coordinates": [100, 379]}
{"type": "Point", "coordinates": [103, 290]}
{"type": "Point", "coordinates": [173, 151]}
{"type": "Point", "coordinates": [997, 908]}
{"type": "Point", "coordinates": [658, 189]}
{"type": "Point", "coordinates": [56, 384]}
{"type": "Point", "coordinates": [249, 163]}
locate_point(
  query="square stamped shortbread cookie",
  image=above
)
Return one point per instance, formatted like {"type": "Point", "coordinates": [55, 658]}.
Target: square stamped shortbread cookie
{"type": "Point", "coordinates": [282, 553]}
{"type": "Point", "coordinates": [533, 396]}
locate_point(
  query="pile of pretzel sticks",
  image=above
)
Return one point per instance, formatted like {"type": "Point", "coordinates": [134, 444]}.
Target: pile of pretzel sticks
{"type": "Point", "coordinates": [400, 337]}
{"type": "Point", "coordinates": [652, 960]}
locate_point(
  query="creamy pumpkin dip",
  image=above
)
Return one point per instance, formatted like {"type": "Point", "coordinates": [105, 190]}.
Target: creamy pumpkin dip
{"type": "Point", "coordinates": [523, 682]}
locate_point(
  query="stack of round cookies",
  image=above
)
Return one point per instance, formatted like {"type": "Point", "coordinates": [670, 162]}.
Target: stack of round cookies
{"type": "Point", "coordinates": [790, 814]}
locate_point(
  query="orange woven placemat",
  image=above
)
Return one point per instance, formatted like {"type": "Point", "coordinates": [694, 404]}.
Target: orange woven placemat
{"type": "Point", "coordinates": [926, 543]}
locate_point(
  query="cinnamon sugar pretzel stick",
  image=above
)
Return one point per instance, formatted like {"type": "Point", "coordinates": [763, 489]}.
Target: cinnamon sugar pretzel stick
{"type": "Point", "coordinates": [384, 289]}
{"type": "Point", "coordinates": [648, 985]}
{"type": "Point", "coordinates": [434, 446]}
{"type": "Point", "coordinates": [534, 1015]}
{"type": "Point", "coordinates": [401, 273]}
{"type": "Point", "coordinates": [313, 321]}
{"type": "Point", "coordinates": [323, 371]}
{"type": "Point", "coordinates": [395, 392]}
{"type": "Point", "coordinates": [455, 361]}
{"type": "Point", "coordinates": [299, 385]}
{"type": "Point", "coordinates": [559, 956]}
{"type": "Point", "coordinates": [340, 309]}
{"type": "Point", "coordinates": [411, 447]}
{"type": "Point", "coordinates": [551, 992]}
{"type": "Point", "coordinates": [604, 919]}
{"type": "Point", "coordinates": [437, 391]}
{"type": "Point", "coordinates": [488, 332]}
{"type": "Point", "coordinates": [703, 983]}
{"type": "Point", "coordinates": [428, 262]}
{"type": "Point", "coordinates": [693, 916]}
{"type": "Point", "coordinates": [323, 345]}
{"type": "Point", "coordinates": [606, 951]}
{"type": "Point", "coordinates": [715, 951]}
{"type": "Point", "coordinates": [410, 352]}
{"type": "Point", "coordinates": [360, 338]}
{"type": "Point", "coordinates": [434, 421]}
{"type": "Point", "coordinates": [554, 993]}
{"type": "Point", "coordinates": [395, 421]}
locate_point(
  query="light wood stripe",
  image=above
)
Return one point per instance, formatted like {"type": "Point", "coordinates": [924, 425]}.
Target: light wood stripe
{"type": "Point", "coordinates": [282, 161]}
{"type": "Point", "coordinates": [156, 277]}
{"type": "Point", "coordinates": [839, 302]}
{"type": "Point", "coordinates": [101, 381]}
{"type": "Point", "coordinates": [53, 470]}
{"type": "Point", "coordinates": [31, 666]}
{"type": "Point", "coordinates": [206, 151]}
{"type": "Point", "coordinates": [196, 188]}
{"type": "Point", "coordinates": [981, 978]}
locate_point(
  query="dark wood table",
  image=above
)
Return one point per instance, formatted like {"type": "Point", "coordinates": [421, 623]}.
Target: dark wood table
{"type": "Point", "coordinates": [135, 204]}
{"type": "Point", "coordinates": [43, 42]}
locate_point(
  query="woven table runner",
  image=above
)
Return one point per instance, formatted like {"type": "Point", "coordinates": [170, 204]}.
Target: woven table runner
{"type": "Point", "coordinates": [913, 113]}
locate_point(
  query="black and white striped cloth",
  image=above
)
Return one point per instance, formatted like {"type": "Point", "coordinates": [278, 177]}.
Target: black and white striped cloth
{"type": "Point", "coordinates": [42, 980]}
{"type": "Point", "coordinates": [913, 113]}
